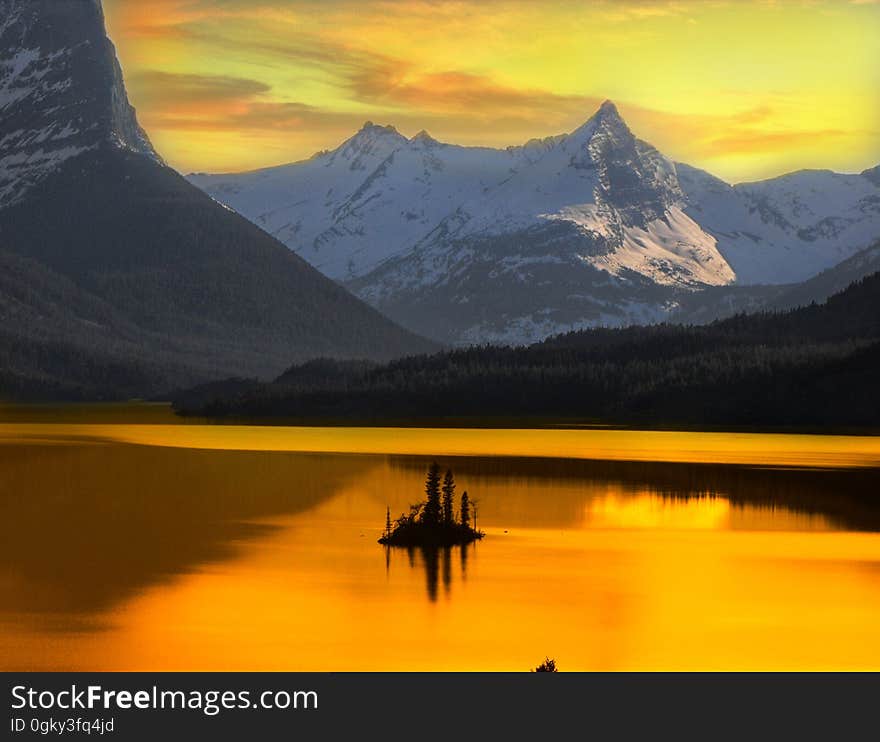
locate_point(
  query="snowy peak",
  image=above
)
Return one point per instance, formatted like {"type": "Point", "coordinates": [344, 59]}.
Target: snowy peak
{"type": "Point", "coordinates": [608, 115]}
{"type": "Point", "coordinates": [369, 147]}
{"type": "Point", "coordinates": [61, 91]}
{"type": "Point", "coordinates": [371, 130]}
{"type": "Point", "coordinates": [633, 177]}
{"type": "Point", "coordinates": [785, 229]}
{"type": "Point", "coordinates": [379, 196]}
{"type": "Point", "coordinates": [606, 123]}
{"type": "Point", "coordinates": [423, 139]}
{"type": "Point", "coordinates": [595, 226]}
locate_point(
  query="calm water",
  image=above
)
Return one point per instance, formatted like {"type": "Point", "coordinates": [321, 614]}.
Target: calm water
{"type": "Point", "coordinates": [139, 547]}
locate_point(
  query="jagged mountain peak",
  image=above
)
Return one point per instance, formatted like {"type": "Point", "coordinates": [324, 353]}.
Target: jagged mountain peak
{"type": "Point", "coordinates": [606, 127]}
{"type": "Point", "coordinates": [61, 91]}
{"type": "Point", "coordinates": [609, 115]}
{"type": "Point", "coordinates": [369, 129]}
{"type": "Point", "coordinates": [595, 226]}
{"type": "Point", "coordinates": [368, 147]}
{"type": "Point", "coordinates": [424, 139]}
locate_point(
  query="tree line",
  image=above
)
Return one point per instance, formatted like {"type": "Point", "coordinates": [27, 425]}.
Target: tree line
{"type": "Point", "coordinates": [814, 366]}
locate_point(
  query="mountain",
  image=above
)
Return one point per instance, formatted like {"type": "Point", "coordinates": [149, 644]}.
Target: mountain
{"type": "Point", "coordinates": [61, 92]}
{"type": "Point", "coordinates": [786, 229]}
{"type": "Point", "coordinates": [814, 367]}
{"type": "Point", "coordinates": [720, 302]}
{"type": "Point", "coordinates": [596, 227]}
{"type": "Point", "coordinates": [377, 194]}
{"type": "Point", "coordinates": [123, 278]}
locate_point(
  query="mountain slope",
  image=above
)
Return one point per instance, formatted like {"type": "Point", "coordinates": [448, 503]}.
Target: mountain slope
{"type": "Point", "coordinates": [591, 228]}
{"type": "Point", "coordinates": [786, 229]}
{"type": "Point", "coordinates": [724, 301]}
{"type": "Point", "coordinates": [592, 232]}
{"type": "Point", "coordinates": [347, 210]}
{"type": "Point", "coordinates": [187, 288]}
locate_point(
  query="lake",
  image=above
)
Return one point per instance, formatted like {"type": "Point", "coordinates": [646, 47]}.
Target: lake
{"type": "Point", "coordinates": [154, 545]}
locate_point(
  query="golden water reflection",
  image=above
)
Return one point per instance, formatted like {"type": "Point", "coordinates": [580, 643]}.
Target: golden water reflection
{"type": "Point", "coordinates": [133, 557]}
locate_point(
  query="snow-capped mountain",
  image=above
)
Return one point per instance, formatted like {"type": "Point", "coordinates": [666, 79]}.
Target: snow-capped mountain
{"type": "Point", "coordinates": [347, 210]}
{"type": "Point", "coordinates": [379, 195]}
{"type": "Point", "coordinates": [789, 228]}
{"type": "Point", "coordinates": [595, 227]}
{"type": "Point", "coordinates": [61, 91]}
{"type": "Point", "coordinates": [591, 232]}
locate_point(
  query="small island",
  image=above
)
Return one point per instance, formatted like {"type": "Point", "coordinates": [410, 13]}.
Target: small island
{"type": "Point", "coordinates": [434, 522]}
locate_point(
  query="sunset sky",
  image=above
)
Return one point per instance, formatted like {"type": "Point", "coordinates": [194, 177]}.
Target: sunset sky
{"type": "Point", "coordinates": [745, 89]}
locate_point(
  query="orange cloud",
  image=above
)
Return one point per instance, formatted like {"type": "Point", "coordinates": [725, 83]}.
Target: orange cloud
{"type": "Point", "coordinates": [458, 91]}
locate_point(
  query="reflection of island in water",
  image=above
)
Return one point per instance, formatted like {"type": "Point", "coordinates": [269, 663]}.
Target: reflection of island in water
{"type": "Point", "coordinates": [433, 528]}
{"type": "Point", "coordinates": [437, 562]}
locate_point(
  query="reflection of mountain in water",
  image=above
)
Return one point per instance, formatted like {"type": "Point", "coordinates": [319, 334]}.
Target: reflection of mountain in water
{"type": "Point", "coordinates": [85, 527]}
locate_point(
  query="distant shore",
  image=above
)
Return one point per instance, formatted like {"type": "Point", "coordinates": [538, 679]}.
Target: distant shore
{"type": "Point", "coordinates": [162, 412]}
{"type": "Point", "coordinates": [598, 444]}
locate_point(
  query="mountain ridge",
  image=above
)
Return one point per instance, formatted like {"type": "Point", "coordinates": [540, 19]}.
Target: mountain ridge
{"type": "Point", "coordinates": [616, 230]}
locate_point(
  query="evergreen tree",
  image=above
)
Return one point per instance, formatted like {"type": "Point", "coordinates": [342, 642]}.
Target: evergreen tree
{"type": "Point", "coordinates": [465, 510]}
{"type": "Point", "coordinates": [387, 521]}
{"type": "Point", "coordinates": [448, 495]}
{"type": "Point", "coordinates": [431, 512]}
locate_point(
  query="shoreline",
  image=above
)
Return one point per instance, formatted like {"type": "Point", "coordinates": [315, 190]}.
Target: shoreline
{"type": "Point", "coordinates": [146, 412]}
{"type": "Point", "coordinates": [688, 447]}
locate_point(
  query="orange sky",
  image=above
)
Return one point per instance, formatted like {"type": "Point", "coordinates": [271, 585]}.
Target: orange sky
{"type": "Point", "coordinates": [746, 88]}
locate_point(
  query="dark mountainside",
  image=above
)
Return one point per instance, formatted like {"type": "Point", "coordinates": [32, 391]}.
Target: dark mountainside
{"type": "Point", "coordinates": [811, 367]}
{"type": "Point", "coordinates": [120, 278]}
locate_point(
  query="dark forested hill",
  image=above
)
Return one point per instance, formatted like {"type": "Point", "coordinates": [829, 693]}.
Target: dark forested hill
{"type": "Point", "coordinates": [816, 366]}
{"type": "Point", "coordinates": [148, 274]}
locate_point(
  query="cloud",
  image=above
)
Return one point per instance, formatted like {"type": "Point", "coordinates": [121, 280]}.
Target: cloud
{"type": "Point", "coordinates": [755, 142]}
{"type": "Point", "coordinates": [163, 89]}
{"type": "Point", "coordinates": [457, 91]}
{"type": "Point", "coordinates": [257, 82]}
{"type": "Point", "coordinates": [255, 118]}
{"type": "Point", "coordinates": [191, 102]}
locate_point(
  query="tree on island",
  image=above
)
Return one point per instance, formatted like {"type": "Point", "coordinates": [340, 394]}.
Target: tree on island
{"type": "Point", "coordinates": [432, 523]}
{"type": "Point", "coordinates": [448, 497]}
{"type": "Point", "coordinates": [431, 511]}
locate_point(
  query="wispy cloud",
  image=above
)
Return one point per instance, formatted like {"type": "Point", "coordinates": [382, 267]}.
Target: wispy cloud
{"type": "Point", "coordinates": [163, 89]}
